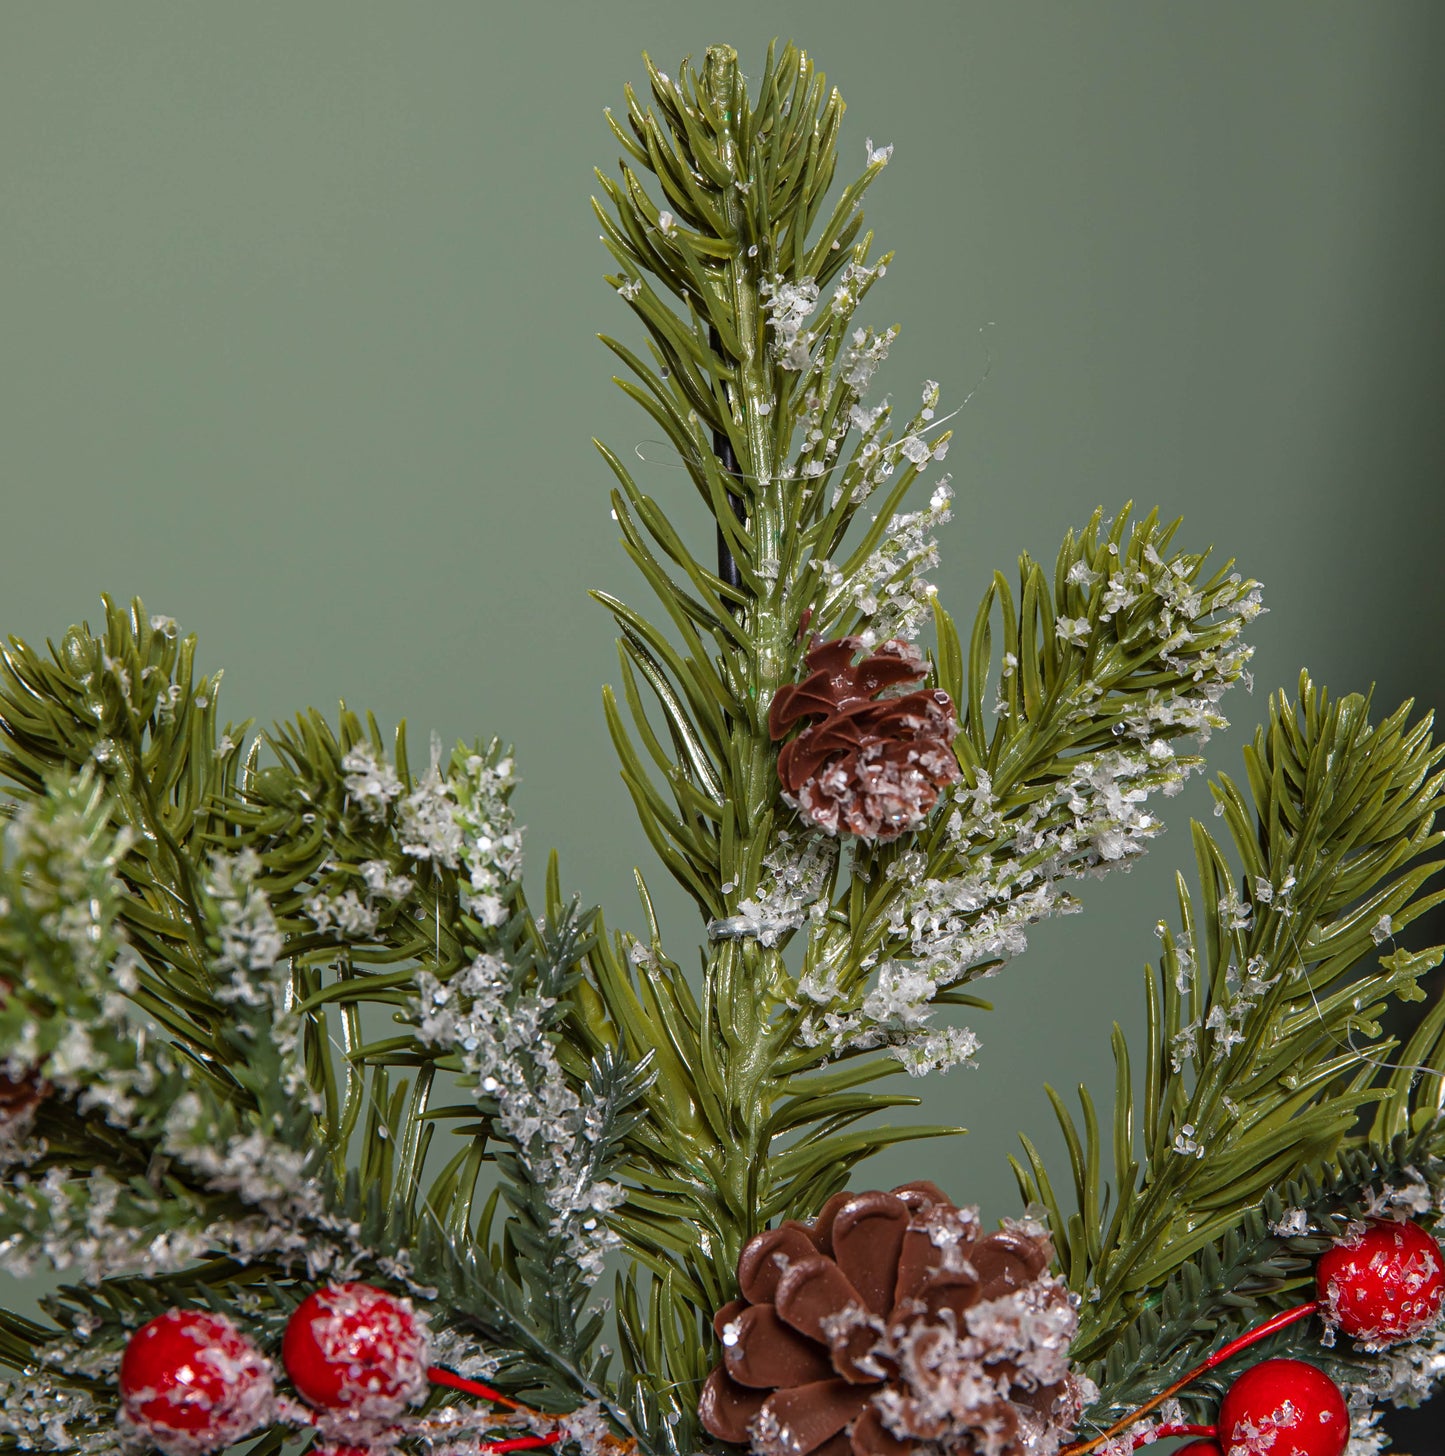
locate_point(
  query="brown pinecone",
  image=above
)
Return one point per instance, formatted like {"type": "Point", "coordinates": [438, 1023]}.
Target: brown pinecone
{"type": "Point", "coordinates": [19, 1095]}
{"type": "Point", "coordinates": [18, 1098]}
{"type": "Point", "coordinates": [891, 1321]}
{"type": "Point", "coordinates": [871, 765]}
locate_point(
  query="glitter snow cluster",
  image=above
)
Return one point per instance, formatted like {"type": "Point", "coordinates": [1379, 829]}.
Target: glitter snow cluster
{"type": "Point", "coordinates": [248, 1159]}
{"type": "Point", "coordinates": [891, 590]}
{"type": "Point", "coordinates": [788, 306]}
{"type": "Point", "coordinates": [39, 1414]}
{"type": "Point", "coordinates": [459, 820]}
{"type": "Point", "coordinates": [500, 1031]}
{"type": "Point", "coordinates": [792, 893]}
{"type": "Point", "coordinates": [836, 364]}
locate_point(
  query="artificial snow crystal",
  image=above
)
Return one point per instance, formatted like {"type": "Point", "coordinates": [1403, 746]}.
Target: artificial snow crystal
{"type": "Point", "coordinates": [371, 783]}
{"type": "Point", "coordinates": [797, 872]}
{"type": "Point", "coordinates": [1292, 1224]}
{"type": "Point", "coordinates": [891, 587]}
{"type": "Point", "coordinates": [39, 1414]}
{"type": "Point", "coordinates": [788, 306]}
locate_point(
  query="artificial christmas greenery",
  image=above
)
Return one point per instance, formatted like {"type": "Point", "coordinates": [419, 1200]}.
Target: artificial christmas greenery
{"type": "Point", "coordinates": [272, 1007]}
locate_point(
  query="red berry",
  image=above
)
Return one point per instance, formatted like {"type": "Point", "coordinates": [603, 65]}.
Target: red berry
{"type": "Point", "coordinates": [192, 1383]}
{"type": "Point", "coordinates": [1200, 1447]}
{"type": "Point", "coordinates": [1384, 1284]}
{"type": "Point", "coordinates": [356, 1350]}
{"type": "Point", "coordinates": [1283, 1408]}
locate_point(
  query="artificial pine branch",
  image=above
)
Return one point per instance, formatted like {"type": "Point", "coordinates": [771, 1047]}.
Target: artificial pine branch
{"type": "Point", "coordinates": [746, 1121]}
{"type": "Point", "coordinates": [304, 860]}
{"type": "Point", "coordinates": [1264, 1046]}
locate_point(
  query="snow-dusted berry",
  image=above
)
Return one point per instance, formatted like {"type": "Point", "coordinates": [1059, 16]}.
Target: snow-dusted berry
{"type": "Point", "coordinates": [192, 1383]}
{"type": "Point", "coordinates": [1283, 1408]}
{"type": "Point", "coordinates": [356, 1351]}
{"type": "Point", "coordinates": [1383, 1284]}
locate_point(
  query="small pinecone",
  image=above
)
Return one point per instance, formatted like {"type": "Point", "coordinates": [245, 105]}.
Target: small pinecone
{"type": "Point", "coordinates": [871, 765]}
{"type": "Point", "coordinates": [890, 1321]}
{"type": "Point", "coordinates": [20, 1094]}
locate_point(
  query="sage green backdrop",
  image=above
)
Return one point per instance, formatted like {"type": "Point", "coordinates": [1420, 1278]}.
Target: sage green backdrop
{"type": "Point", "coordinates": [298, 317]}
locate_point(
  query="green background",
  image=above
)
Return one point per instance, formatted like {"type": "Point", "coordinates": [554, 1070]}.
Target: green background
{"type": "Point", "coordinates": [298, 307]}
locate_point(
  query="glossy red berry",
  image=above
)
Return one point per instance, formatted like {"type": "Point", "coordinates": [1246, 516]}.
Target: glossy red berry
{"type": "Point", "coordinates": [1383, 1284]}
{"type": "Point", "coordinates": [1200, 1447]}
{"type": "Point", "coordinates": [192, 1383]}
{"type": "Point", "coordinates": [356, 1351]}
{"type": "Point", "coordinates": [1283, 1408]}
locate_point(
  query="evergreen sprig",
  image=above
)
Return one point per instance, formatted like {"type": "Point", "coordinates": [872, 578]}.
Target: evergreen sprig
{"type": "Point", "coordinates": [766, 1076]}
{"type": "Point", "coordinates": [1264, 1046]}
{"type": "Point", "coordinates": [237, 1146]}
{"type": "Point", "coordinates": [127, 702]}
{"type": "Point", "coordinates": [1127, 650]}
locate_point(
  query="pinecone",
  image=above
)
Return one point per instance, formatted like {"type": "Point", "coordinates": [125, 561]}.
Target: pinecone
{"type": "Point", "coordinates": [20, 1094]}
{"type": "Point", "coordinates": [871, 764]}
{"type": "Point", "coordinates": [889, 1322]}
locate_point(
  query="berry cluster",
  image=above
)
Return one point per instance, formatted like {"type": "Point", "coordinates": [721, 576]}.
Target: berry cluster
{"type": "Point", "coordinates": [192, 1383]}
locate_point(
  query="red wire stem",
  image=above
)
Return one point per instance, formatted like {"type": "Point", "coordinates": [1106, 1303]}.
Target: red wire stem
{"type": "Point", "coordinates": [614, 1445]}
{"type": "Point", "coordinates": [1160, 1433]}
{"type": "Point", "coordinates": [1280, 1321]}
{"type": "Point", "coordinates": [438, 1376]}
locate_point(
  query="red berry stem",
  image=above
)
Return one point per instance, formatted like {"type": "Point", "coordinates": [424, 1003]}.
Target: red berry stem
{"type": "Point", "coordinates": [438, 1376]}
{"type": "Point", "coordinates": [1161, 1433]}
{"type": "Point", "coordinates": [1282, 1320]}
{"type": "Point", "coordinates": [614, 1445]}
{"type": "Point", "coordinates": [1277, 1322]}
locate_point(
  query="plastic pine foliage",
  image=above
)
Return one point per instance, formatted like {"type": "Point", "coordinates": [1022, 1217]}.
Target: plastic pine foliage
{"type": "Point", "coordinates": [275, 1011]}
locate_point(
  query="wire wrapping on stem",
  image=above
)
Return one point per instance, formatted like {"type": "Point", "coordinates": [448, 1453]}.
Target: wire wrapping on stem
{"type": "Point", "coordinates": [722, 447]}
